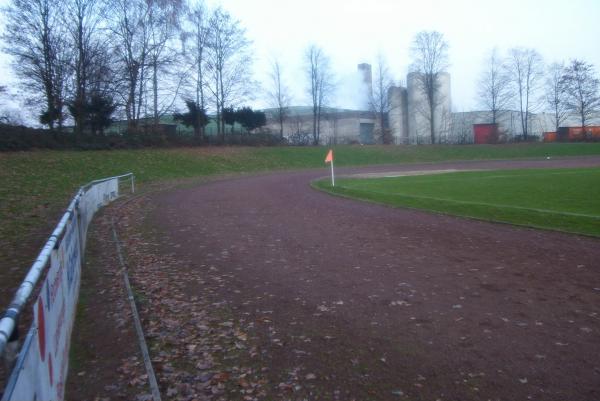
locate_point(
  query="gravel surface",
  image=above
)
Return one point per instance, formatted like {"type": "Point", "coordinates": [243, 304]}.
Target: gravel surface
{"type": "Point", "coordinates": [371, 302]}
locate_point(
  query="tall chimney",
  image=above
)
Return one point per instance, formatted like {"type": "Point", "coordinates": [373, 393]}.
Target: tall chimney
{"type": "Point", "coordinates": [367, 80]}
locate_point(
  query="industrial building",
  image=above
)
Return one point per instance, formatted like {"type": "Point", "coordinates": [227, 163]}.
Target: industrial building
{"type": "Point", "coordinates": [408, 119]}
{"type": "Point", "coordinates": [338, 126]}
{"type": "Point", "coordinates": [409, 114]}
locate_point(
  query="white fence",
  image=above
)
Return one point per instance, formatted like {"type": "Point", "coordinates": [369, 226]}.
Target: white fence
{"type": "Point", "coordinates": [40, 372]}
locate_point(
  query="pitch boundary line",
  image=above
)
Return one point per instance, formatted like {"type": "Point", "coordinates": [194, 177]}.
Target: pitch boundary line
{"type": "Point", "coordinates": [547, 211]}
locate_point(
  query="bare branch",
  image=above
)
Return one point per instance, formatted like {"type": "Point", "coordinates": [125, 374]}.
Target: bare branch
{"type": "Point", "coordinates": [556, 93]}
{"type": "Point", "coordinates": [582, 90]}
{"type": "Point", "coordinates": [526, 69]}
{"type": "Point", "coordinates": [279, 95]}
{"type": "Point", "coordinates": [430, 53]}
{"type": "Point", "coordinates": [228, 63]}
{"type": "Point", "coordinates": [380, 101]}
{"type": "Point", "coordinates": [321, 86]}
{"type": "Point", "coordinates": [494, 86]}
{"type": "Point", "coordinates": [36, 38]}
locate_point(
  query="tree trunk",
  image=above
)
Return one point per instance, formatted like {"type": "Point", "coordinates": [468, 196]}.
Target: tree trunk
{"type": "Point", "coordinates": [200, 95]}
{"type": "Point", "coordinates": [281, 124]}
{"type": "Point", "coordinates": [50, 105]}
{"type": "Point", "coordinates": [222, 106]}
{"type": "Point", "coordinates": [130, 107]}
{"type": "Point", "coordinates": [315, 126]}
{"type": "Point", "coordinates": [140, 95]}
{"type": "Point", "coordinates": [155, 91]}
{"type": "Point", "coordinates": [80, 80]}
{"type": "Point", "coordinates": [317, 139]}
{"type": "Point", "coordinates": [526, 130]}
{"type": "Point", "coordinates": [384, 138]}
{"type": "Point", "coordinates": [432, 122]}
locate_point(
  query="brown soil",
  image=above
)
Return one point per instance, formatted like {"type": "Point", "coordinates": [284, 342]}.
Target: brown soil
{"type": "Point", "coordinates": [105, 362]}
{"type": "Point", "coordinates": [262, 288]}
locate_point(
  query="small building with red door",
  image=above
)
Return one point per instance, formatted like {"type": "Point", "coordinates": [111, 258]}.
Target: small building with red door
{"type": "Point", "coordinates": [485, 133]}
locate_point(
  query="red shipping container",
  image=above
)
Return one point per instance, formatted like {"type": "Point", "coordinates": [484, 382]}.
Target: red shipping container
{"type": "Point", "coordinates": [578, 134]}
{"type": "Point", "coordinates": [593, 132]}
{"type": "Point", "coordinates": [485, 133]}
{"type": "Point", "coordinates": [549, 136]}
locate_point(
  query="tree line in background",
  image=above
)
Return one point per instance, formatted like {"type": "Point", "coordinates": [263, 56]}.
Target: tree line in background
{"type": "Point", "coordinates": [522, 79]}
{"type": "Point", "coordinates": [86, 61]}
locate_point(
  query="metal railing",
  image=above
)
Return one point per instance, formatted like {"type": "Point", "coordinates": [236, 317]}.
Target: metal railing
{"type": "Point", "coordinates": [9, 320]}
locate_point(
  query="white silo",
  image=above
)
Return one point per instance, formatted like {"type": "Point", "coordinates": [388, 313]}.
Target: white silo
{"type": "Point", "coordinates": [419, 122]}
{"type": "Point", "coordinates": [443, 108]}
{"type": "Point", "coordinates": [418, 126]}
{"type": "Point", "coordinates": [398, 123]}
{"type": "Point", "coordinates": [366, 91]}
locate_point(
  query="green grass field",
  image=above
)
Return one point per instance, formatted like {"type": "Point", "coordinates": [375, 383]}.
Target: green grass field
{"type": "Point", "coordinates": [559, 199]}
{"type": "Point", "coordinates": [36, 186]}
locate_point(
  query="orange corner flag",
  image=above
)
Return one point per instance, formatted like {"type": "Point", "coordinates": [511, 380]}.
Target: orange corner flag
{"type": "Point", "coordinates": [329, 157]}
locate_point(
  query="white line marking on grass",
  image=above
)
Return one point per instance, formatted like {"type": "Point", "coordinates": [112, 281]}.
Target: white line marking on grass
{"type": "Point", "coordinates": [529, 173]}
{"type": "Point", "coordinates": [547, 211]}
{"type": "Point", "coordinates": [392, 174]}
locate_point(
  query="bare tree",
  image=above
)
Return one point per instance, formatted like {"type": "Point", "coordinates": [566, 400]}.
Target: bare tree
{"type": "Point", "coordinates": [430, 52]}
{"type": "Point", "coordinates": [197, 33]}
{"type": "Point", "coordinates": [4, 118]}
{"type": "Point", "coordinates": [582, 89]}
{"type": "Point", "coordinates": [321, 85]}
{"type": "Point", "coordinates": [10, 112]}
{"type": "Point", "coordinates": [131, 44]}
{"type": "Point", "coordinates": [526, 68]}
{"type": "Point", "coordinates": [279, 95]}
{"type": "Point", "coordinates": [164, 25]}
{"type": "Point", "coordinates": [380, 101]}
{"type": "Point", "coordinates": [82, 19]}
{"type": "Point", "coordinates": [35, 37]}
{"type": "Point", "coordinates": [494, 86]}
{"type": "Point", "coordinates": [228, 62]}
{"type": "Point", "coordinates": [462, 127]}
{"type": "Point", "coordinates": [555, 93]}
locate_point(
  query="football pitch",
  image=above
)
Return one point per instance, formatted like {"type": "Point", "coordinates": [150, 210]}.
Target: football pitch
{"type": "Point", "coordinates": [558, 199]}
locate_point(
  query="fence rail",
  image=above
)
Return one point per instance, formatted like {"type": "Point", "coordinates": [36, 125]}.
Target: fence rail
{"type": "Point", "coordinates": [63, 252]}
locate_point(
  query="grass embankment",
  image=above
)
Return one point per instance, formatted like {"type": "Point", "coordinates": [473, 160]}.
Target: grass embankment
{"type": "Point", "coordinates": [36, 186]}
{"type": "Point", "coordinates": [560, 199]}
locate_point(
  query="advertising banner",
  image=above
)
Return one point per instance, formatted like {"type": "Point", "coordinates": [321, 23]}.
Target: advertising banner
{"type": "Point", "coordinates": [94, 198]}
{"type": "Point", "coordinates": [41, 369]}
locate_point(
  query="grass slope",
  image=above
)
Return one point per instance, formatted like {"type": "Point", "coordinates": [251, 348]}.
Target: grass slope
{"type": "Point", "coordinates": [36, 186]}
{"type": "Point", "coordinates": [561, 199]}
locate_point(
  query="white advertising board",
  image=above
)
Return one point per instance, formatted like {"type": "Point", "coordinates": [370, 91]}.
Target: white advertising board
{"type": "Point", "coordinates": [41, 370]}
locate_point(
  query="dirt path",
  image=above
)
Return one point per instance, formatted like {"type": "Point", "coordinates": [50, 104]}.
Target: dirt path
{"type": "Point", "coordinates": [261, 288]}
{"type": "Point", "coordinates": [347, 300]}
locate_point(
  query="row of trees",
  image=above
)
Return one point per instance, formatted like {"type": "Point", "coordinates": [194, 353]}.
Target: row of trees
{"type": "Point", "coordinates": [197, 118]}
{"type": "Point", "coordinates": [320, 89]}
{"type": "Point", "coordinates": [245, 116]}
{"type": "Point", "coordinates": [521, 79]}
{"type": "Point", "coordinates": [518, 81]}
{"type": "Point", "coordinates": [84, 59]}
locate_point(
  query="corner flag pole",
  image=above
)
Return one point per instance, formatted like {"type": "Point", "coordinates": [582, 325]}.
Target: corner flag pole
{"type": "Point", "coordinates": [332, 175]}
{"type": "Point", "coordinates": [329, 159]}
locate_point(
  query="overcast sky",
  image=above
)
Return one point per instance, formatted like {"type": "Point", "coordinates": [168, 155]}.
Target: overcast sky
{"type": "Point", "coordinates": [352, 32]}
